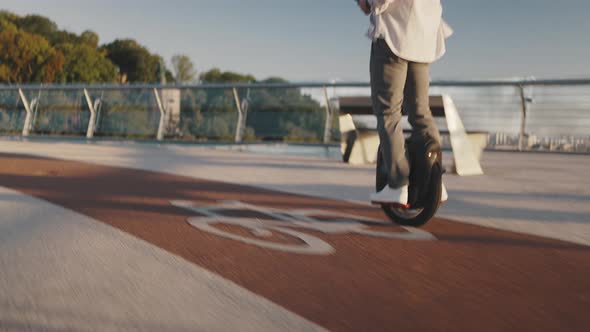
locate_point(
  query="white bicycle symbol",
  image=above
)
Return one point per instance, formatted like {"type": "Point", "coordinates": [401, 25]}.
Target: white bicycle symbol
{"type": "Point", "coordinates": [279, 221]}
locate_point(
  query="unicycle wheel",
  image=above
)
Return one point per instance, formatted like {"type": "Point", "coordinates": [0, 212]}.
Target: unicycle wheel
{"type": "Point", "coordinates": [414, 216]}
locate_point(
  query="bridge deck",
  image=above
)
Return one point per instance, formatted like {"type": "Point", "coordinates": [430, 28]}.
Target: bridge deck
{"type": "Point", "coordinates": [134, 236]}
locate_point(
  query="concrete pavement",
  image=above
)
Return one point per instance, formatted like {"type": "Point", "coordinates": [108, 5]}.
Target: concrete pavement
{"type": "Point", "coordinates": [532, 193]}
{"type": "Point", "coordinates": [113, 236]}
{"type": "Point", "coordinates": [64, 271]}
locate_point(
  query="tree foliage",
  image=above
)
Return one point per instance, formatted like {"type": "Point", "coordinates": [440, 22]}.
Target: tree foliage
{"type": "Point", "coordinates": [135, 62]}
{"type": "Point", "coordinates": [184, 70]}
{"type": "Point", "coordinates": [35, 50]}
{"type": "Point", "coordinates": [89, 38]}
{"type": "Point", "coordinates": [84, 63]}
{"type": "Point", "coordinates": [37, 25]}
{"type": "Point", "coordinates": [26, 57]}
{"type": "Point", "coordinates": [215, 75]}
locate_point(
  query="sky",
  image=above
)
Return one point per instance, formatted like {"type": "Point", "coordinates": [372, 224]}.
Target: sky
{"type": "Point", "coordinates": [324, 40]}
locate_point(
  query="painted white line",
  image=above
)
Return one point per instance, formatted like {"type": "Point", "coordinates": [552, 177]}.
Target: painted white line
{"type": "Point", "coordinates": [60, 270]}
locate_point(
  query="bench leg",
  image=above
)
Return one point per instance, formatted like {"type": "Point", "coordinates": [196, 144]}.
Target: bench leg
{"type": "Point", "coordinates": [347, 143]}
{"type": "Point", "coordinates": [360, 148]}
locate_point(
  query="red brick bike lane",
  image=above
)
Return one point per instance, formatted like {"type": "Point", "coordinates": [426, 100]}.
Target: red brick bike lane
{"type": "Point", "coordinates": [469, 278]}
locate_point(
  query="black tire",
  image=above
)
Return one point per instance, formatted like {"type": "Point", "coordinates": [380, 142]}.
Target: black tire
{"type": "Point", "coordinates": [431, 203]}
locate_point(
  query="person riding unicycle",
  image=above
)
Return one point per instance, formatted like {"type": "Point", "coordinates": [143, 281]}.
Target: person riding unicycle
{"type": "Point", "coordinates": [407, 35]}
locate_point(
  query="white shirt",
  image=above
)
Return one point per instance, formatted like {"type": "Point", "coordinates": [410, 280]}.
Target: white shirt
{"type": "Point", "coordinates": [413, 29]}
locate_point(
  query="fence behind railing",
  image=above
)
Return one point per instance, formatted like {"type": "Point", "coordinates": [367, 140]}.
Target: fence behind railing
{"type": "Point", "coordinates": [520, 114]}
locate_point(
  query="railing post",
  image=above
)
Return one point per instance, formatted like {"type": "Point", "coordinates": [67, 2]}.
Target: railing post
{"type": "Point", "coordinates": [523, 102]}
{"type": "Point", "coordinates": [97, 107]}
{"type": "Point", "coordinates": [329, 118]}
{"type": "Point", "coordinates": [27, 126]}
{"type": "Point", "coordinates": [162, 125]}
{"type": "Point", "coordinates": [92, 121]}
{"type": "Point", "coordinates": [241, 117]}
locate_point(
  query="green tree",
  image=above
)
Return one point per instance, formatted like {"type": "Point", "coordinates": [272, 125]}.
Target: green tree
{"type": "Point", "coordinates": [184, 70]}
{"type": "Point", "coordinates": [217, 76]}
{"type": "Point", "coordinates": [89, 38]}
{"type": "Point", "coordinates": [38, 25]}
{"type": "Point", "coordinates": [274, 80]}
{"type": "Point", "coordinates": [7, 25]}
{"type": "Point", "coordinates": [6, 16]}
{"type": "Point", "coordinates": [42, 26]}
{"type": "Point", "coordinates": [82, 61]}
{"type": "Point", "coordinates": [135, 62]}
{"type": "Point", "coordinates": [25, 57]}
{"type": "Point", "coordinates": [85, 64]}
{"type": "Point", "coordinates": [62, 36]}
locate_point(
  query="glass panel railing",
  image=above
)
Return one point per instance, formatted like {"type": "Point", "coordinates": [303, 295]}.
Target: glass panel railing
{"type": "Point", "coordinates": [492, 109]}
{"type": "Point", "coordinates": [204, 115]}
{"type": "Point", "coordinates": [557, 119]}
{"type": "Point", "coordinates": [284, 115]}
{"type": "Point", "coordinates": [12, 112]}
{"type": "Point", "coordinates": [58, 112]}
{"type": "Point", "coordinates": [129, 113]}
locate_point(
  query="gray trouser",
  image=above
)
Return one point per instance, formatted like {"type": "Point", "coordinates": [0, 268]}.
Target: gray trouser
{"type": "Point", "coordinates": [396, 82]}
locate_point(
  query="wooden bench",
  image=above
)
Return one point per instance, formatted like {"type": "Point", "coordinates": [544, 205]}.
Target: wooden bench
{"type": "Point", "coordinates": [360, 143]}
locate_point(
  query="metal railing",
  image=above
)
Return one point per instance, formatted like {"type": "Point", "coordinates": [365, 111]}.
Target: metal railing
{"type": "Point", "coordinates": [522, 114]}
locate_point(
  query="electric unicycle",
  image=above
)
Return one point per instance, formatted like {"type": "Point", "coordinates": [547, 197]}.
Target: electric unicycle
{"type": "Point", "coordinates": [425, 187]}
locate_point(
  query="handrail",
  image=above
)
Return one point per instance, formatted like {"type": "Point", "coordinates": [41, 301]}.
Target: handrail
{"type": "Point", "coordinates": [435, 83]}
